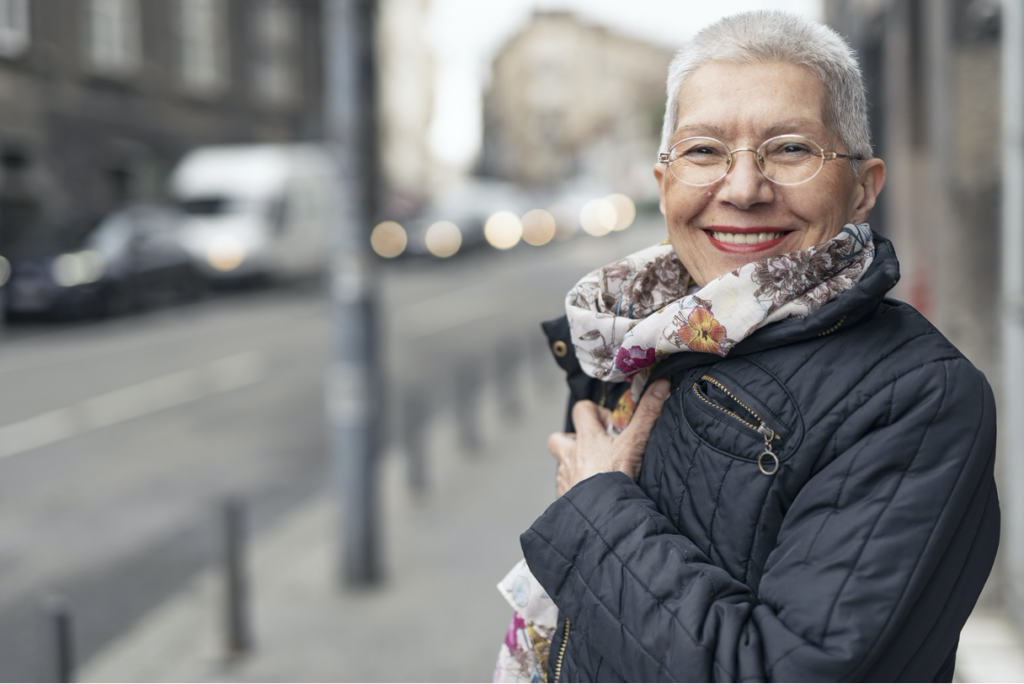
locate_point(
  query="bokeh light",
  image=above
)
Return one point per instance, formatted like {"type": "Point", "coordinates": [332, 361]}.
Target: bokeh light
{"type": "Point", "coordinates": [538, 227]}
{"type": "Point", "coordinates": [503, 230]}
{"type": "Point", "coordinates": [625, 210]}
{"type": "Point", "coordinates": [598, 217]}
{"type": "Point", "coordinates": [443, 239]}
{"type": "Point", "coordinates": [388, 239]}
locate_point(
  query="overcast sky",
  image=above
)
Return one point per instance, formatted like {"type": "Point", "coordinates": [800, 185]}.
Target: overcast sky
{"type": "Point", "coordinates": [465, 35]}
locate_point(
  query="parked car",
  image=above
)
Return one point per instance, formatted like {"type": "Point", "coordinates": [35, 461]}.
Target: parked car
{"type": "Point", "coordinates": [257, 211]}
{"type": "Point", "coordinates": [85, 267]}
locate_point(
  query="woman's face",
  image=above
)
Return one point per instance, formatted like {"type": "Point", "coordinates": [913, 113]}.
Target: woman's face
{"type": "Point", "coordinates": [744, 217]}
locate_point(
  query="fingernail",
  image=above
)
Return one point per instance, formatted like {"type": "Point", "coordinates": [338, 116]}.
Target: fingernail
{"type": "Point", "coordinates": [660, 389]}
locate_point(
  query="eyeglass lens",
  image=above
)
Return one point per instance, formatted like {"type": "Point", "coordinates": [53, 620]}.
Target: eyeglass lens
{"type": "Point", "coordinates": [787, 160]}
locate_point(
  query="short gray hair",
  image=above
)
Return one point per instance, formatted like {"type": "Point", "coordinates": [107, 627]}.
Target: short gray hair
{"type": "Point", "coordinates": [774, 36]}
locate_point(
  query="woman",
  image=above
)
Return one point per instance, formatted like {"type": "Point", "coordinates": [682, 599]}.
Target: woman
{"type": "Point", "coordinates": [801, 487]}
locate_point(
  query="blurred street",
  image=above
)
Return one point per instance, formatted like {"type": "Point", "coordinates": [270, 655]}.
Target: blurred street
{"type": "Point", "coordinates": [186, 191]}
{"type": "Point", "coordinates": [120, 439]}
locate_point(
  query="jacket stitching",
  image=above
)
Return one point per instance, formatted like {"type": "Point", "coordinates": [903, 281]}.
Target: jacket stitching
{"type": "Point", "coordinates": [702, 573]}
{"type": "Point", "coordinates": [754, 537]}
{"type": "Point", "coordinates": [963, 466]}
{"type": "Point", "coordinates": [881, 513]}
{"type": "Point", "coordinates": [675, 415]}
{"type": "Point", "coordinates": [866, 373]}
{"type": "Point", "coordinates": [686, 477]}
{"type": "Point", "coordinates": [828, 516]}
{"type": "Point", "coordinates": [963, 568]}
{"type": "Point", "coordinates": [714, 510]}
{"type": "Point", "coordinates": [578, 576]}
{"type": "Point", "coordinates": [878, 518]}
{"type": "Point", "coordinates": [931, 535]}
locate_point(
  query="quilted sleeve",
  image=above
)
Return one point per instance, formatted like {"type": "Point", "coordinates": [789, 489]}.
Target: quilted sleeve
{"type": "Point", "coordinates": [894, 536]}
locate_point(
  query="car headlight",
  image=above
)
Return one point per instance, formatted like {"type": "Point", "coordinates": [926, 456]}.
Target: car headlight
{"type": "Point", "coordinates": [78, 268]}
{"type": "Point", "coordinates": [226, 253]}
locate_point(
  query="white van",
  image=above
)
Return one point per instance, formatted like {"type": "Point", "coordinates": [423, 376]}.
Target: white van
{"type": "Point", "coordinates": [257, 211]}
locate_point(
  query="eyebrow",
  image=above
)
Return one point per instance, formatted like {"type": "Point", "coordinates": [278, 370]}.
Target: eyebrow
{"type": "Point", "coordinates": [778, 128]}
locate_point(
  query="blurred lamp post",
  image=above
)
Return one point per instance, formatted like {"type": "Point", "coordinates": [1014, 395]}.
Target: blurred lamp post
{"type": "Point", "coordinates": [354, 383]}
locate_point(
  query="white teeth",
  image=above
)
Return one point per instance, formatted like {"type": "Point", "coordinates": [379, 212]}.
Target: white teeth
{"type": "Point", "coordinates": [744, 238]}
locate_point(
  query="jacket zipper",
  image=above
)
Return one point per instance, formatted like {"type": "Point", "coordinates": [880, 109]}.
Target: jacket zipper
{"type": "Point", "coordinates": [769, 466]}
{"type": "Point", "coordinates": [561, 653]}
{"type": "Point", "coordinates": [832, 328]}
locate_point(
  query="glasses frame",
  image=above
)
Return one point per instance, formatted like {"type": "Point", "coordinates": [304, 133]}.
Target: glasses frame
{"type": "Point", "coordinates": [826, 155]}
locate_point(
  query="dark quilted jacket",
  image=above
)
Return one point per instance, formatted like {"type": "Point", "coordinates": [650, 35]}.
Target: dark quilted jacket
{"type": "Point", "coordinates": [858, 559]}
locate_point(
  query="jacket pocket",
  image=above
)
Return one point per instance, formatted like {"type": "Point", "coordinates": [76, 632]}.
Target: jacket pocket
{"type": "Point", "coordinates": [762, 428]}
{"type": "Point", "coordinates": [712, 392]}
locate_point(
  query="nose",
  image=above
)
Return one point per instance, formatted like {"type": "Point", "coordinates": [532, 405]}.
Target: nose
{"type": "Point", "coordinates": [744, 185]}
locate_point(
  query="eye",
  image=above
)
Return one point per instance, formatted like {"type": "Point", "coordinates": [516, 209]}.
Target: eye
{"type": "Point", "coordinates": [789, 150]}
{"type": "Point", "coordinates": [700, 151]}
{"type": "Point", "coordinates": [795, 148]}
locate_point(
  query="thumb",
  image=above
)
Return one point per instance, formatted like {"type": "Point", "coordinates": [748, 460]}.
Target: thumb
{"type": "Point", "coordinates": [646, 413]}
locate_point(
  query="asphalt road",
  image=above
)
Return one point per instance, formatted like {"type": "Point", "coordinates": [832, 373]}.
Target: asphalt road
{"type": "Point", "coordinates": [120, 439]}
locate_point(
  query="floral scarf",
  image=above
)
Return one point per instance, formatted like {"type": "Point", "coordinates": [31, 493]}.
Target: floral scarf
{"type": "Point", "coordinates": [523, 655]}
{"type": "Point", "coordinates": [627, 316]}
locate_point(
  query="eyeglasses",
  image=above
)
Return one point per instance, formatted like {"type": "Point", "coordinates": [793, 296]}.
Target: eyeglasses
{"type": "Point", "coordinates": [784, 159]}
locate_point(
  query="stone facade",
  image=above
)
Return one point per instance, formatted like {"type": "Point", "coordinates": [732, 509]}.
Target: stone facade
{"type": "Point", "coordinates": [568, 98]}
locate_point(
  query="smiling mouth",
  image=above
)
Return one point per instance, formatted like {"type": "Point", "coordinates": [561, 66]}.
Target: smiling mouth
{"type": "Point", "coordinates": [745, 240]}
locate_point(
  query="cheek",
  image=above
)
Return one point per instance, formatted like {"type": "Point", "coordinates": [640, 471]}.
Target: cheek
{"type": "Point", "coordinates": [827, 210]}
{"type": "Point", "coordinates": [685, 203]}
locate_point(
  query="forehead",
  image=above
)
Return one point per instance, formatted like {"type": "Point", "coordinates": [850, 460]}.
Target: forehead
{"type": "Point", "coordinates": [732, 99]}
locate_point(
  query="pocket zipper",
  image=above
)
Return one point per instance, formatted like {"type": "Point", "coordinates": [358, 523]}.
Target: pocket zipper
{"type": "Point", "coordinates": [761, 427]}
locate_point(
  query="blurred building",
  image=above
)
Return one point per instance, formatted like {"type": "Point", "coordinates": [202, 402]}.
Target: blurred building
{"type": "Point", "coordinates": [405, 69]}
{"type": "Point", "coordinates": [568, 98]}
{"type": "Point", "coordinates": [98, 98]}
{"type": "Point", "coordinates": [934, 75]}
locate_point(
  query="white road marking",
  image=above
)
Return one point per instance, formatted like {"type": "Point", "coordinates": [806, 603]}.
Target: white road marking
{"type": "Point", "coordinates": [118, 406]}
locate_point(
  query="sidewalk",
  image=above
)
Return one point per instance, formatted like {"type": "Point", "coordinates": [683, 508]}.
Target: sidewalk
{"type": "Point", "coordinates": [438, 617]}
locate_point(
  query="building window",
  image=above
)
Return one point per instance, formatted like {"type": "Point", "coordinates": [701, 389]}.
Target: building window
{"type": "Point", "coordinates": [14, 36]}
{"type": "Point", "coordinates": [203, 44]}
{"type": "Point", "coordinates": [275, 34]}
{"type": "Point", "coordinates": [113, 43]}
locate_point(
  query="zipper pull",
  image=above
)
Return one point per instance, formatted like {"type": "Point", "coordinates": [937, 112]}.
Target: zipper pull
{"type": "Point", "coordinates": [773, 464]}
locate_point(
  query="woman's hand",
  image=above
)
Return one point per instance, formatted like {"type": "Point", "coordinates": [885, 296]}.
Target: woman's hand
{"type": "Point", "coordinates": [591, 450]}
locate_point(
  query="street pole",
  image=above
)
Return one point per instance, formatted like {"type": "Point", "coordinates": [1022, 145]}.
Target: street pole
{"type": "Point", "coordinates": [354, 381]}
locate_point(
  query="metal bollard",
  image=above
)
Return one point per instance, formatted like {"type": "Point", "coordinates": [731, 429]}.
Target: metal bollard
{"type": "Point", "coordinates": [58, 619]}
{"type": "Point", "coordinates": [237, 636]}
{"type": "Point", "coordinates": [509, 385]}
{"type": "Point", "coordinates": [416, 416]}
{"type": "Point", "coordinates": [467, 391]}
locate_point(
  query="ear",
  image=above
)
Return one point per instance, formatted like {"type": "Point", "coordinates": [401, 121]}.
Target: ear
{"type": "Point", "coordinates": [659, 176]}
{"type": "Point", "coordinates": [868, 184]}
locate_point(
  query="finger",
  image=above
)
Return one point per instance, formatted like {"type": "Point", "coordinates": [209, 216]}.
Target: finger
{"type": "Point", "coordinates": [605, 415]}
{"type": "Point", "coordinates": [646, 413]}
{"type": "Point", "coordinates": [561, 444]}
{"type": "Point", "coordinates": [586, 417]}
